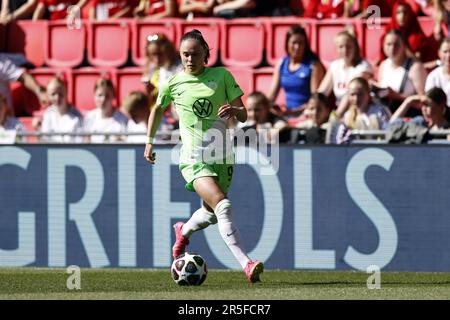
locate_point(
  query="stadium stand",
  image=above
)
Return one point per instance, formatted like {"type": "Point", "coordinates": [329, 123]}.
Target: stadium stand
{"type": "Point", "coordinates": [127, 80]}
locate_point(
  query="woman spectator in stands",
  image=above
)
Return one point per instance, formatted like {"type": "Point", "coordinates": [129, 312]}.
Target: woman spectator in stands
{"type": "Point", "coordinates": [190, 9]}
{"type": "Point", "coordinates": [162, 61]}
{"type": "Point", "coordinates": [156, 9]}
{"type": "Point", "coordinates": [112, 9]}
{"type": "Point", "coordinates": [11, 10]}
{"type": "Point", "coordinates": [433, 106]}
{"type": "Point", "coordinates": [405, 20]}
{"type": "Point", "coordinates": [400, 74]}
{"type": "Point", "coordinates": [299, 73]}
{"type": "Point", "coordinates": [440, 77]}
{"type": "Point", "coordinates": [105, 118]}
{"type": "Point", "coordinates": [348, 66]}
{"type": "Point", "coordinates": [363, 113]}
{"type": "Point", "coordinates": [136, 107]}
{"type": "Point", "coordinates": [60, 116]}
{"type": "Point", "coordinates": [8, 123]}
{"type": "Point", "coordinates": [56, 10]}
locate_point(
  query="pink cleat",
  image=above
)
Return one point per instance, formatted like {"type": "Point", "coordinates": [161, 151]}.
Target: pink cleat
{"type": "Point", "coordinates": [180, 241]}
{"type": "Point", "coordinates": [253, 269]}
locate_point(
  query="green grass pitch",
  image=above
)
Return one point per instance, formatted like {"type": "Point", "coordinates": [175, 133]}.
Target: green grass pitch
{"type": "Point", "coordinates": [45, 283]}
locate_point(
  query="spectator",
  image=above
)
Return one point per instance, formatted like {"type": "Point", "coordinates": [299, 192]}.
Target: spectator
{"type": "Point", "coordinates": [440, 77]}
{"type": "Point", "coordinates": [324, 9]}
{"type": "Point", "coordinates": [9, 72]}
{"type": "Point", "coordinates": [399, 74]}
{"type": "Point", "coordinates": [316, 114]}
{"type": "Point", "coordinates": [161, 63]}
{"type": "Point", "coordinates": [9, 125]}
{"type": "Point", "coordinates": [243, 8]}
{"type": "Point", "coordinates": [432, 105]}
{"type": "Point", "coordinates": [363, 113]}
{"type": "Point", "coordinates": [348, 66]}
{"type": "Point", "coordinates": [56, 10]}
{"type": "Point", "coordinates": [260, 118]}
{"type": "Point", "coordinates": [105, 118]}
{"type": "Point", "coordinates": [60, 116]}
{"type": "Point", "coordinates": [195, 8]}
{"type": "Point", "coordinates": [360, 10]}
{"type": "Point", "coordinates": [156, 9]}
{"type": "Point", "coordinates": [112, 9]}
{"type": "Point", "coordinates": [442, 19]}
{"type": "Point", "coordinates": [299, 73]}
{"type": "Point", "coordinates": [12, 10]}
{"type": "Point", "coordinates": [405, 20]}
{"type": "Point", "coordinates": [136, 106]}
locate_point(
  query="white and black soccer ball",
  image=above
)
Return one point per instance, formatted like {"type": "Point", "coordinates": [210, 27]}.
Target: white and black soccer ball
{"type": "Point", "coordinates": [189, 269]}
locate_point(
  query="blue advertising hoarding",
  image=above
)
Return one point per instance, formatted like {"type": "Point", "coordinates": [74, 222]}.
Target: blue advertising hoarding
{"type": "Point", "coordinates": [327, 208]}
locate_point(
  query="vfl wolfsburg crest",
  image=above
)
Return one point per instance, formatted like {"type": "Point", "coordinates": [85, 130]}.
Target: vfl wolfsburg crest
{"type": "Point", "coordinates": [202, 108]}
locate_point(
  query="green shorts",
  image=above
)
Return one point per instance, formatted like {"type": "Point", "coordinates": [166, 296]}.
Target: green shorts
{"type": "Point", "coordinates": [222, 171]}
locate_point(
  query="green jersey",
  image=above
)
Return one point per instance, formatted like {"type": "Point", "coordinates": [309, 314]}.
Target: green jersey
{"type": "Point", "coordinates": [197, 99]}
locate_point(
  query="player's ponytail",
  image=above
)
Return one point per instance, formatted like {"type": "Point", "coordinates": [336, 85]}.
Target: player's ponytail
{"type": "Point", "coordinates": [197, 35]}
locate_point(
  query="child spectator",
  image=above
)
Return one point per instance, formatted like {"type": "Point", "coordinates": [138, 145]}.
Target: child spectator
{"type": "Point", "coordinates": [105, 118]}
{"type": "Point", "coordinates": [60, 116]}
{"type": "Point", "coordinates": [9, 125]}
{"type": "Point", "coordinates": [11, 10]}
{"type": "Point", "coordinates": [348, 66]}
{"type": "Point", "coordinates": [156, 9]}
{"type": "Point", "coordinates": [56, 10]}
{"type": "Point", "coordinates": [362, 113]}
{"type": "Point", "coordinates": [316, 114]}
{"type": "Point", "coordinates": [299, 73]}
{"type": "Point", "coordinates": [161, 63]}
{"type": "Point", "coordinates": [112, 9]}
{"type": "Point", "coordinates": [400, 74]}
{"type": "Point", "coordinates": [260, 118]}
{"type": "Point", "coordinates": [136, 106]}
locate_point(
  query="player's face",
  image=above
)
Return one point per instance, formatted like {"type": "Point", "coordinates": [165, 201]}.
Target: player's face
{"type": "Point", "coordinates": [103, 98]}
{"type": "Point", "coordinates": [393, 46]}
{"type": "Point", "coordinates": [345, 48]}
{"type": "Point", "coordinates": [444, 53]}
{"type": "Point", "coordinates": [56, 94]}
{"type": "Point", "coordinates": [192, 56]}
{"type": "Point", "coordinates": [358, 96]}
{"type": "Point", "coordinates": [296, 46]}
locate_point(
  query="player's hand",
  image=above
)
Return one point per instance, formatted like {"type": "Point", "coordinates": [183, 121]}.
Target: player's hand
{"type": "Point", "coordinates": [148, 154]}
{"type": "Point", "coordinates": [227, 111]}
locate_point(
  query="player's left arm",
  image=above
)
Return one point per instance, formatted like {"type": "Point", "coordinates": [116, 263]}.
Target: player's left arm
{"type": "Point", "coordinates": [234, 109]}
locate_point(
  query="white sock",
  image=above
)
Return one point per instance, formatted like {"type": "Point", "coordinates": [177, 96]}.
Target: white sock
{"type": "Point", "coordinates": [229, 232]}
{"type": "Point", "coordinates": [199, 220]}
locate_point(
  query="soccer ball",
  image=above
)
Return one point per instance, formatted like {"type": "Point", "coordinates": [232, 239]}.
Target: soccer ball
{"type": "Point", "coordinates": [189, 269]}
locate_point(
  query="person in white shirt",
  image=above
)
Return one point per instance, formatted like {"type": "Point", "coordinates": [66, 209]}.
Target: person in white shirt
{"type": "Point", "coordinates": [9, 126]}
{"type": "Point", "coordinates": [362, 113]}
{"type": "Point", "coordinates": [105, 118]}
{"type": "Point", "coordinates": [136, 106]}
{"type": "Point", "coordinates": [440, 77]}
{"type": "Point", "coordinates": [343, 70]}
{"type": "Point", "coordinates": [9, 72]}
{"type": "Point", "coordinates": [60, 116]}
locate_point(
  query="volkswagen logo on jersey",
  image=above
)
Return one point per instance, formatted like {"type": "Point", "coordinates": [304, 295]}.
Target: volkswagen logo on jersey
{"type": "Point", "coordinates": [202, 108]}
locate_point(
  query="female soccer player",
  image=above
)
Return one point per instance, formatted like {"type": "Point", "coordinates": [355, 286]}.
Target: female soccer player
{"type": "Point", "coordinates": [204, 98]}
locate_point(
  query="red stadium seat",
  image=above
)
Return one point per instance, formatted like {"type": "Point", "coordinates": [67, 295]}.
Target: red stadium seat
{"type": "Point", "coordinates": [28, 37]}
{"type": "Point", "coordinates": [242, 42]}
{"type": "Point", "coordinates": [262, 79]}
{"type": "Point", "coordinates": [65, 47]}
{"type": "Point", "coordinates": [427, 24]}
{"type": "Point", "coordinates": [210, 29]}
{"type": "Point", "coordinates": [83, 83]}
{"type": "Point", "coordinates": [326, 31]}
{"type": "Point", "coordinates": [108, 43]}
{"type": "Point", "coordinates": [371, 40]}
{"type": "Point", "coordinates": [142, 29]}
{"type": "Point", "coordinates": [244, 78]}
{"type": "Point", "coordinates": [128, 79]}
{"type": "Point", "coordinates": [276, 35]}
